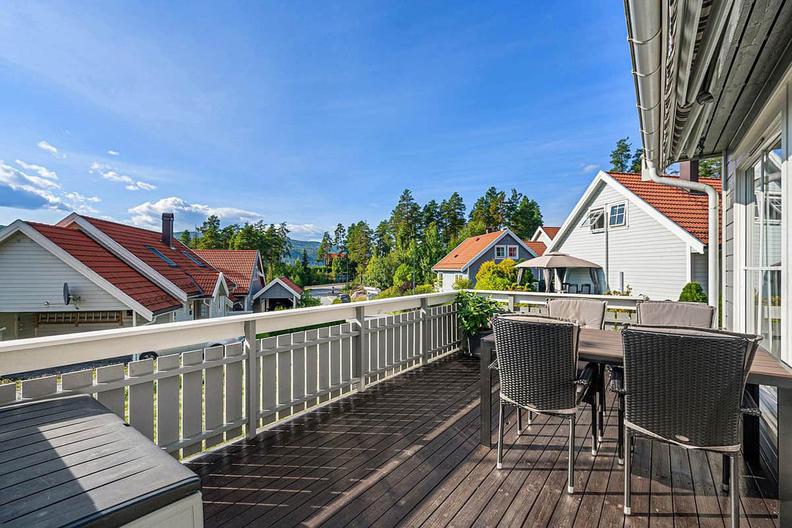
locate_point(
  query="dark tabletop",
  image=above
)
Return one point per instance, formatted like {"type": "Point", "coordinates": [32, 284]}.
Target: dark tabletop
{"type": "Point", "coordinates": [72, 462]}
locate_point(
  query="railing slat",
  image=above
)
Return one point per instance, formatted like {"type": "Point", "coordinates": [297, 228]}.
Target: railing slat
{"type": "Point", "coordinates": [335, 356]}
{"type": "Point", "coordinates": [346, 354]}
{"type": "Point", "coordinates": [141, 398]}
{"type": "Point", "coordinates": [192, 401]}
{"type": "Point", "coordinates": [112, 399]}
{"type": "Point", "coordinates": [269, 384]}
{"type": "Point", "coordinates": [324, 363]}
{"type": "Point", "coordinates": [167, 402]}
{"type": "Point", "coordinates": [311, 365]}
{"type": "Point", "coordinates": [213, 395]}
{"type": "Point", "coordinates": [39, 387]}
{"type": "Point", "coordinates": [234, 392]}
{"type": "Point", "coordinates": [298, 370]}
{"type": "Point", "coordinates": [8, 393]}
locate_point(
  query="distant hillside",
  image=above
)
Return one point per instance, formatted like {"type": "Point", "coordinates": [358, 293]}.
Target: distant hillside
{"type": "Point", "coordinates": [310, 246]}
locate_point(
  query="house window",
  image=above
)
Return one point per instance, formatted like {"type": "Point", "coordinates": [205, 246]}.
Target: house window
{"type": "Point", "coordinates": [162, 256]}
{"type": "Point", "coordinates": [597, 219]}
{"type": "Point", "coordinates": [513, 252]}
{"type": "Point", "coordinates": [500, 252]}
{"type": "Point", "coordinates": [194, 259]}
{"type": "Point", "coordinates": [763, 240]}
{"type": "Point", "coordinates": [618, 215]}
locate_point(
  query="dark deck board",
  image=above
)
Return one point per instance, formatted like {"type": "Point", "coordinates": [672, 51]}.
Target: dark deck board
{"type": "Point", "coordinates": [406, 453]}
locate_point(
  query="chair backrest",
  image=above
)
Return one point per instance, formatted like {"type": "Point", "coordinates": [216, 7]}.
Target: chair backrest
{"type": "Point", "coordinates": [588, 313]}
{"type": "Point", "coordinates": [537, 361]}
{"type": "Point", "coordinates": [585, 288]}
{"type": "Point", "coordinates": [672, 313]}
{"type": "Point", "coordinates": [684, 385]}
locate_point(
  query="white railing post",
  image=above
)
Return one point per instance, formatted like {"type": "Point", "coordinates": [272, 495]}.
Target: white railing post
{"type": "Point", "coordinates": [426, 338]}
{"type": "Point", "coordinates": [510, 303]}
{"type": "Point", "coordinates": [360, 349]}
{"type": "Point", "coordinates": [251, 379]}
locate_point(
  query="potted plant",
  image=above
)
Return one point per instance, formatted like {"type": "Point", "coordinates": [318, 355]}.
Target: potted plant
{"type": "Point", "coordinates": [474, 313]}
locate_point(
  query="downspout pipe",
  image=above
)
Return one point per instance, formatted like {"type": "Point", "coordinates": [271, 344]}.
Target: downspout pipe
{"type": "Point", "coordinates": [649, 172]}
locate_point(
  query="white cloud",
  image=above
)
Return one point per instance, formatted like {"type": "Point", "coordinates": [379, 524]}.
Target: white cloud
{"type": "Point", "coordinates": [16, 190]}
{"type": "Point", "coordinates": [113, 152]}
{"type": "Point", "coordinates": [43, 145]}
{"type": "Point", "coordinates": [589, 167]}
{"type": "Point", "coordinates": [305, 231]}
{"type": "Point", "coordinates": [36, 181]}
{"type": "Point", "coordinates": [80, 203]}
{"type": "Point", "coordinates": [109, 173]}
{"type": "Point", "coordinates": [188, 215]}
{"type": "Point", "coordinates": [44, 172]}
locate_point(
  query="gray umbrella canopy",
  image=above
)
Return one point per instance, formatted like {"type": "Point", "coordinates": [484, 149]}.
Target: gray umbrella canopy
{"type": "Point", "coordinates": [557, 260]}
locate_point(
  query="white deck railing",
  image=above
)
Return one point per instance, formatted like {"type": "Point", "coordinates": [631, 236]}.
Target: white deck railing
{"type": "Point", "coordinates": [191, 401]}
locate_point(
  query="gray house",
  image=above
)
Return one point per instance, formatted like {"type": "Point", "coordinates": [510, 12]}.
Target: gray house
{"type": "Point", "coordinates": [279, 293]}
{"type": "Point", "coordinates": [465, 260]}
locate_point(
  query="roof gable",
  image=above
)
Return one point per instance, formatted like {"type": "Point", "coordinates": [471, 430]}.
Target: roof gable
{"type": "Point", "coordinates": [684, 213]}
{"type": "Point", "coordinates": [238, 265]}
{"type": "Point", "coordinates": [470, 249]}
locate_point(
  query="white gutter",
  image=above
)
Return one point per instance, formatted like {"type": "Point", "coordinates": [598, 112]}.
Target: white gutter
{"type": "Point", "coordinates": [645, 32]}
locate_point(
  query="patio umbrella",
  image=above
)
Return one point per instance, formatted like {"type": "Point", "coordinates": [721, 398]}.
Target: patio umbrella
{"type": "Point", "coordinates": [553, 261]}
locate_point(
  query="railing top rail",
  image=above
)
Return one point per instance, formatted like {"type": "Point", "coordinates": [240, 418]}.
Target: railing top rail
{"type": "Point", "coordinates": [622, 298]}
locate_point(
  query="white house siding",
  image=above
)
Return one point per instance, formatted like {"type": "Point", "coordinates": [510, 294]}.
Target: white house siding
{"type": "Point", "coordinates": [699, 264]}
{"type": "Point", "coordinates": [653, 259]}
{"type": "Point", "coordinates": [30, 276]}
{"type": "Point", "coordinates": [448, 280]}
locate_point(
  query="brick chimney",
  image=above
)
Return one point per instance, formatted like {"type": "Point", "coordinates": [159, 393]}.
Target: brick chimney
{"type": "Point", "coordinates": [167, 229]}
{"type": "Point", "coordinates": [689, 170]}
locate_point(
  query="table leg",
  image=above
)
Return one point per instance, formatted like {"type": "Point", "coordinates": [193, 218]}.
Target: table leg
{"type": "Point", "coordinates": [751, 427]}
{"type": "Point", "coordinates": [785, 456]}
{"type": "Point", "coordinates": [486, 395]}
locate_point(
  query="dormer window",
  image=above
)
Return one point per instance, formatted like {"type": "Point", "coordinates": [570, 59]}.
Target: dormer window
{"type": "Point", "coordinates": [162, 256]}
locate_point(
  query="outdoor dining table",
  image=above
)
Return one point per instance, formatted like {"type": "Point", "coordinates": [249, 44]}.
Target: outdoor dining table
{"type": "Point", "coordinates": [605, 347]}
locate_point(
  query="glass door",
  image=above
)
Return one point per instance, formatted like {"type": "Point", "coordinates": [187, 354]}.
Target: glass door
{"type": "Point", "coordinates": [763, 241]}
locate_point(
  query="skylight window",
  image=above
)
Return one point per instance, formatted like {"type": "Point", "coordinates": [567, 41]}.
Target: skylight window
{"type": "Point", "coordinates": [165, 259]}
{"type": "Point", "coordinates": [194, 259]}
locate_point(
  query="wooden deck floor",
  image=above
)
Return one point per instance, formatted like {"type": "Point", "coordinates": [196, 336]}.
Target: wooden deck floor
{"type": "Point", "coordinates": [407, 453]}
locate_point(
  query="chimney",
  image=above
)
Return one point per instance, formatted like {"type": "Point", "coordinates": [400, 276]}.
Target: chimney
{"type": "Point", "coordinates": [167, 229]}
{"type": "Point", "coordinates": [688, 170]}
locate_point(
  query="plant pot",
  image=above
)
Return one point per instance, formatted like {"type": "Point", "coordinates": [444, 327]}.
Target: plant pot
{"type": "Point", "coordinates": [474, 343]}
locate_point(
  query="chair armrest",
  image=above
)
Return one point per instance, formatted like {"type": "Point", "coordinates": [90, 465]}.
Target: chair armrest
{"type": "Point", "coordinates": [494, 365]}
{"type": "Point", "coordinates": [585, 381]}
{"type": "Point", "coordinates": [616, 379]}
{"type": "Point", "coordinates": [749, 406]}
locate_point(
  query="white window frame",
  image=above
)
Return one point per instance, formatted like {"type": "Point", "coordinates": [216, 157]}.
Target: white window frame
{"type": "Point", "coordinates": [591, 212]}
{"type": "Point", "coordinates": [501, 248]}
{"type": "Point", "coordinates": [516, 252]}
{"type": "Point", "coordinates": [624, 215]}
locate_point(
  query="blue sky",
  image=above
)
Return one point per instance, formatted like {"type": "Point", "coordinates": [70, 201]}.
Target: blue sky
{"type": "Point", "coordinates": [309, 113]}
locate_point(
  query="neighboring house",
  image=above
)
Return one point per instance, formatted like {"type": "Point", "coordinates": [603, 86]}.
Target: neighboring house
{"type": "Point", "coordinates": [545, 234]}
{"type": "Point", "coordinates": [646, 236]}
{"type": "Point", "coordinates": [244, 268]}
{"type": "Point", "coordinates": [464, 261]}
{"type": "Point", "coordinates": [279, 293]}
{"type": "Point", "coordinates": [115, 275]}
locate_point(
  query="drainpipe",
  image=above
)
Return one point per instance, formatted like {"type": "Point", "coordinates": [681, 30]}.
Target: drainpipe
{"type": "Point", "coordinates": [649, 173]}
{"type": "Point", "coordinates": [645, 34]}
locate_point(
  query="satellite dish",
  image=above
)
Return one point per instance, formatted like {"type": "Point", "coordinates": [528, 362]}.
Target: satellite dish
{"type": "Point", "coordinates": [66, 294]}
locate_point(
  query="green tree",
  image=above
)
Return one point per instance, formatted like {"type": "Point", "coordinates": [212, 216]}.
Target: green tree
{"type": "Point", "coordinates": [405, 219]}
{"type": "Point", "coordinates": [380, 270]}
{"type": "Point", "coordinates": [383, 239]}
{"type": "Point", "coordinates": [526, 218]}
{"type": "Point", "coordinates": [227, 235]}
{"type": "Point", "coordinates": [490, 209]}
{"type": "Point", "coordinates": [637, 160]}
{"type": "Point", "coordinates": [431, 250]}
{"type": "Point", "coordinates": [430, 214]}
{"type": "Point", "coordinates": [304, 259]}
{"type": "Point", "coordinates": [325, 247]}
{"type": "Point", "coordinates": [710, 168]}
{"type": "Point", "coordinates": [500, 276]}
{"type": "Point", "coordinates": [185, 238]}
{"type": "Point", "coordinates": [693, 292]}
{"type": "Point", "coordinates": [359, 245]}
{"type": "Point", "coordinates": [274, 245]}
{"type": "Point", "coordinates": [209, 235]}
{"type": "Point", "coordinates": [247, 237]}
{"type": "Point", "coordinates": [403, 276]}
{"type": "Point", "coordinates": [621, 156]}
{"type": "Point", "coordinates": [452, 217]}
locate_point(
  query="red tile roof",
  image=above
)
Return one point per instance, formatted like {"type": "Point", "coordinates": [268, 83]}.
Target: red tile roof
{"type": "Point", "coordinates": [108, 266]}
{"type": "Point", "coordinates": [236, 264]}
{"type": "Point", "coordinates": [538, 247]}
{"type": "Point", "coordinates": [291, 285]}
{"type": "Point", "coordinates": [686, 209]}
{"type": "Point", "coordinates": [187, 272]}
{"type": "Point", "coordinates": [465, 251]}
{"type": "Point", "coordinates": [551, 231]}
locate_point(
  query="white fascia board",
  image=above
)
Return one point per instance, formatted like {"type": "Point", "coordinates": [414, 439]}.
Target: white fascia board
{"type": "Point", "coordinates": [603, 178]}
{"type": "Point", "coordinates": [79, 267]}
{"type": "Point", "coordinates": [221, 282]}
{"type": "Point", "coordinates": [505, 232]}
{"type": "Point", "coordinates": [124, 254]}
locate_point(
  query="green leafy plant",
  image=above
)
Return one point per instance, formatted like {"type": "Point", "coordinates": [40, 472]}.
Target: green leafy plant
{"type": "Point", "coordinates": [693, 292]}
{"type": "Point", "coordinates": [474, 312]}
{"type": "Point", "coordinates": [462, 283]}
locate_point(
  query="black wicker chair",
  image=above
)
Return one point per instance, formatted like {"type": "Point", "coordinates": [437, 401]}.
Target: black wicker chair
{"type": "Point", "coordinates": [537, 361]}
{"type": "Point", "coordinates": [588, 313]}
{"type": "Point", "coordinates": [684, 386]}
{"type": "Point", "coordinates": [659, 313]}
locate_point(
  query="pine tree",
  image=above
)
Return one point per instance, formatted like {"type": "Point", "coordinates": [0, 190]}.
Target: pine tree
{"type": "Point", "coordinates": [452, 217]}
{"type": "Point", "coordinates": [405, 219]}
{"type": "Point", "coordinates": [383, 239]}
{"type": "Point", "coordinates": [620, 156]}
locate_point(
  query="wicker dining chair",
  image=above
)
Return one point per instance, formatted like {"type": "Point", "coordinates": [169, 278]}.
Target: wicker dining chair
{"type": "Point", "coordinates": [684, 386]}
{"type": "Point", "coordinates": [587, 313]}
{"type": "Point", "coordinates": [537, 362]}
{"type": "Point", "coordinates": [659, 313]}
